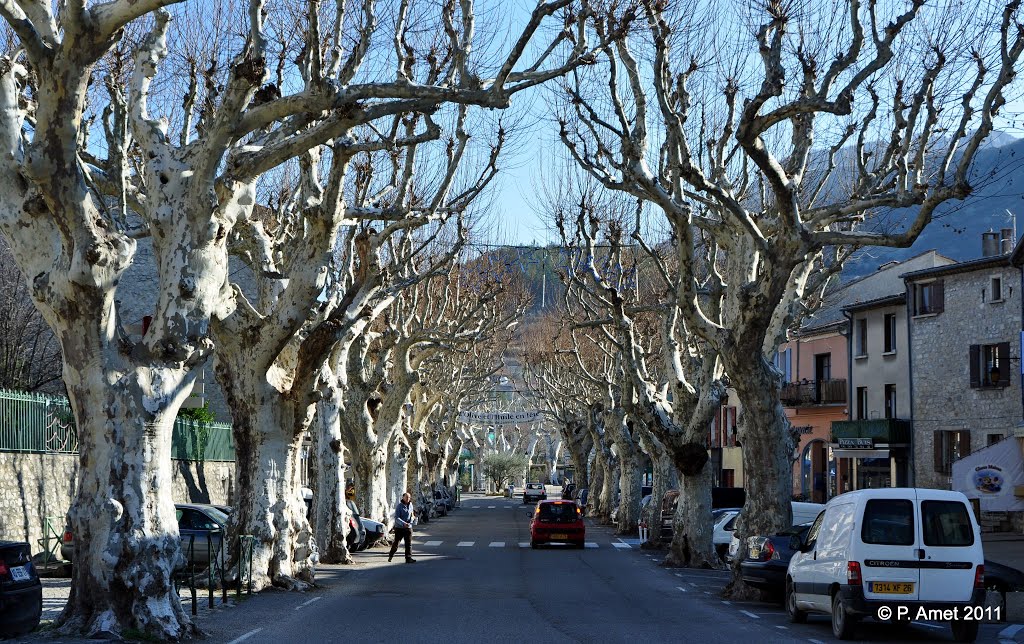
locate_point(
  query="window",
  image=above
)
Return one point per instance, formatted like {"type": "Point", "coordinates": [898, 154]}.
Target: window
{"type": "Point", "coordinates": [990, 365]}
{"type": "Point", "coordinates": [558, 512]}
{"type": "Point", "coordinates": [812, 534]}
{"type": "Point", "coordinates": [890, 333]}
{"type": "Point", "coordinates": [928, 298]}
{"type": "Point", "coordinates": [862, 403]}
{"type": "Point", "coordinates": [888, 522]}
{"type": "Point", "coordinates": [995, 291]}
{"type": "Point", "coordinates": [946, 523]}
{"type": "Point", "coordinates": [862, 337]}
{"type": "Point", "coordinates": [728, 478]}
{"type": "Point", "coordinates": [949, 446]}
{"type": "Point", "coordinates": [992, 439]}
{"type": "Point", "coordinates": [784, 365]}
{"type": "Point", "coordinates": [890, 401]}
{"type": "Point", "coordinates": [723, 428]}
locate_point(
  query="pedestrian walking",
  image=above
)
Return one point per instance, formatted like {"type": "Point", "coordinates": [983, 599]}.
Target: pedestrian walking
{"type": "Point", "coordinates": [405, 517]}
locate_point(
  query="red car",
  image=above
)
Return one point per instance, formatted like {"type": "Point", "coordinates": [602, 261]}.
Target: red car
{"type": "Point", "coordinates": [557, 522]}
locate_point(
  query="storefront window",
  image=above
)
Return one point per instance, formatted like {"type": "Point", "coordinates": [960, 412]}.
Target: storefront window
{"type": "Point", "coordinates": [873, 473]}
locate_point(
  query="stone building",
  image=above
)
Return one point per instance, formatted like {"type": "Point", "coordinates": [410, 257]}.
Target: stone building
{"type": "Point", "coordinates": [964, 331]}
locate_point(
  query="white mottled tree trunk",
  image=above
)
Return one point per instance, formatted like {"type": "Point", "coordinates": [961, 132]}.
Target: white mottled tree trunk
{"type": "Point", "coordinates": [369, 470]}
{"type": "Point", "coordinates": [330, 512]}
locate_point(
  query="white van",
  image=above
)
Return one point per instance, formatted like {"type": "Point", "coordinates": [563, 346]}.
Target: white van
{"type": "Point", "coordinates": [889, 554]}
{"type": "Point", "coordinates": [725, 526]}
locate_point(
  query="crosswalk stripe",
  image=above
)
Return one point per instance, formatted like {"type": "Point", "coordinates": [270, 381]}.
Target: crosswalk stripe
{"type": "Point", "coordinates": [749, 614]}
{"type": "Point", "coordinates": [465, 544]}
{"type": "Point", "coordinates": [497, 544]}
{"type": "Point", "coordinates": [621, 546]}
{"type": "Point", "coordinates": [432, 543]}
{"type": "Point", "coordinates": [474, 507]}
{"type": "Point", "coordinates": [524, 544]}
{"type": "Point", "coordinates": [591, 544]}
{"type": "Point", "coordinates": [491, 507]}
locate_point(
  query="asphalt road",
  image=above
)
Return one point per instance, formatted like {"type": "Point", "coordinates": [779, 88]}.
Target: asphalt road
{"type": "Point", "coordinates": [477, 580]}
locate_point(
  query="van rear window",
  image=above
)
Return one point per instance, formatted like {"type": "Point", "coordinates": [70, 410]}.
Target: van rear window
{"type": "Point", "coordinates": [946, 523]}
{"type": "Point", "coordinates": [888, 522]}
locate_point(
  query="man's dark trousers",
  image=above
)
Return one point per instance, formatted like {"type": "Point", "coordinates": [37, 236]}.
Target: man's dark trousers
{"type": "Point", "coordinates": [402, 533]}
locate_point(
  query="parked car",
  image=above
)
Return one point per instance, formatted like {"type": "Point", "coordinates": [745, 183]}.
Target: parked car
{"type": "Point", "coordinates": [201, 531]}
{"type": "Point", "coordinates": [722, 498]}
{"type": "Point", "coordinates": [534, 492]}
{"type": "Point", "coordinates": [557, 522]}
{"type": "Point", "coordinates": [895, 547]}
{"type": "Point", "coordinates": [356, 530]}
{"type": "Point", "coordinates": [802, 513]}
{"type": "Point", "coordinates": [569, 491]}
{"type": "Point", "coordinates": [374, 531]}
{"type": "Point", "coordinates": [21, 591]}
{"type": "Point", "coordinates": [768, 558]}
{"type": "Point", "coordinates": [582, 495]}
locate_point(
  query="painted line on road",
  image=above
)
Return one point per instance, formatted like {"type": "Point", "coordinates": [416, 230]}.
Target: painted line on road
{"type": "Point", "coordinates": [692, 584]}
{"type": "Point", "coordinates": [497, 544]}
{"type": "Point", "coordinates": [307, 603]}
{"type": "Point", "coordinates": [432, 543]}
{"type": "Point", "coordinates": [749, 614]}
{"type": "Point", "coordinates": [474, 507]}
{"type": "Point", "coordinates": [624, 546]}
{"type": "Point", "coordinates": [816, 642]}
{"type": "Point", "coordinates": [591, 544]}
{"type": "Point", "coordinates": [491, 507]}
{"type": "Point", "coordinates": [781, 627]}
{"type": "Point", "coordinates": [726, 602]}
{"type": "Point", "coordinates": [928, 625]}
{"type": "Point", "coordinates": [524, 544]}
{"type": "Point", "coordinates": [678, 574]}
{"type": "Point", "coordinates": [465, 544]}
{"type": "Point", "coordinates": [680, 589]}
{"type": "Point", "coordinates": [1011, 631]}
{"type": "Point", "coordinates": [706, 592]}
{"type": "Point", "coordinates": [246, 636]}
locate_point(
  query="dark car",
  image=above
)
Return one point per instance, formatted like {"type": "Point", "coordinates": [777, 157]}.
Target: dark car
{"type": "Point", "coordinates": [356, 538]}
{"type": "Point", "coordinates": [201, 529]}
{"type": "Point", "coordinates": [768, 558]}
{"type": "Point", "coordinates": [21, 591]}
{"type": "Point", "coordinates": [569, 491]}
{"type": "Point", "coordinates": [557, 522]}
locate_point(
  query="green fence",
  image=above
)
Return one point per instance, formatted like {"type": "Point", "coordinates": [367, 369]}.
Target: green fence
{"type": "Point", "coordinates": [39, 423]}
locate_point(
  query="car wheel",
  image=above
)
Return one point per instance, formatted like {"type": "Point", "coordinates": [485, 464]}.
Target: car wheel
{"type": "Point", "coordinates": [842, 623]}
{"type": "Point", "coordinates": [796, 615]}
{"type": "Point", "coordinates": [964, 631]}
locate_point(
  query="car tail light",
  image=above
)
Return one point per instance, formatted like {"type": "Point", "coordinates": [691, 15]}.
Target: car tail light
{"type": "Point", "coordinates": [853, 577]}
{"type": "Point", "coordinates": [979, 577]}
{"type": "Point", "coordinates": [67, 536]}
{"type": "Point", "coordinates": [3, 568]}
{"type": "Point", "coordinates": [769, 551]}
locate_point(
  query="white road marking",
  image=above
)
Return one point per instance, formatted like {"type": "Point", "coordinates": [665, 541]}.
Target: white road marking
{"type": "Point", "coordinates": [692, 584]}
{"type": "Point", "coordinates": [474, 507]}
{"type": "Point", "coordinates": [246, 636]}
{"type": "Point", "coordinates": [1009, 632]}
{"type": "Point", "coordinates": [591, 544]}
{"type": "Point", "coordinates": [727, 603]}
{"type": "Point", "coordinates": [497, 544]}
{"type": "Point", "coordinates": [678, 574]}
{"type": "Point", "coordinates": [681, 589]}
{"type": "Point", "coordinates": [706, 592]}
{"type": "Point", "coordinates": [465, 544]}
{"type": "Point", "coordinates": [816, 642]}
{"type": "Point", "coordinates": [524, 544]}
{"type": "Point", "coordinates": [491, 507]}
{"type": "Point", "coordinates": [785, 628]}
{"type": "Point", "coordinates": [749, 614]}
{"type": "Point", "coordinates": [432, 543]}
{"type": "Point", "coordinates": [928, 625]}
{"type": "Point", "coordinates": [623, 546]}
{"type": "Point", "coordinates": [307, 603]}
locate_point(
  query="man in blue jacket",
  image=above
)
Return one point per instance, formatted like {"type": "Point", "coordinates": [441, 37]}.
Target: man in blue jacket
{"type": "Point", "coordinates": [404, 520]}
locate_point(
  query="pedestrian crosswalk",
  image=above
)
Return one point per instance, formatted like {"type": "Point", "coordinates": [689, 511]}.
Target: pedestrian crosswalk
{"type": "Point", "coordinates": [434, 543]}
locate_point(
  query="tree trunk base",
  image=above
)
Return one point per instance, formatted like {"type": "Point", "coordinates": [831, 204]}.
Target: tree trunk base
{"type": "Point", "coordinates": [740, 591]}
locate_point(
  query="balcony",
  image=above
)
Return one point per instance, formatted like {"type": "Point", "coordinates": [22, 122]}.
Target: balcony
{"type": "Point", "coordinates": [879, 430]}
{"type": "Point", "coordinates": [814, 392]}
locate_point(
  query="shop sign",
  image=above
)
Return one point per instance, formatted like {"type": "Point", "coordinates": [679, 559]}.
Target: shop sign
{"type": "Point", "coordinates": [857, 443]}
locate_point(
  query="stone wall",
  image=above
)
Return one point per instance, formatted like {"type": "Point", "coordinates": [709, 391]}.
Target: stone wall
{"type": "Point", "coordinates": [36, 486]}
{"type": "Point", "coordinates": [940, 348]}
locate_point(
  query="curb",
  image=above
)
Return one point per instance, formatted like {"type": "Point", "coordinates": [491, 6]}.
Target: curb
{"type": "Point", "coordinates": [1012, 633]}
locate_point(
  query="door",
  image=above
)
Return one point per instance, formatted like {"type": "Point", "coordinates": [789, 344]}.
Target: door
{"type": "Point", "coordinates": [833, 552]}
{"type": "Point", "coordinates": [888, 546]}
{"type": "Point", "coordinates": [948, 544]}
{"type": "Point", "coordinates": [801, 567]}
{"type": "Point", "coordinates": [822, 374]}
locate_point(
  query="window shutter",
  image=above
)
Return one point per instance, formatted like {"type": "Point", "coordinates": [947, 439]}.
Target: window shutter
{"type": "Point", "coordinates": [937, 450]}
{"type": "Point", "coordinates": [964, 443]}
{"type": "Point", "coordinates": [1003, 355]}
{"type": "Point", "coordinates": [938, 299]}
{"type": "Point", "coordinates": [975, 366]}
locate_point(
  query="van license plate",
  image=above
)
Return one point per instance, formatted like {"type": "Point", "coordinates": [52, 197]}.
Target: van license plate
{"type": "Point", "coordinates": [559, 535]}
{"type": "Point", "coordinates": [892, 588]}
{"type": "Point", "coordinates": [18, 573]}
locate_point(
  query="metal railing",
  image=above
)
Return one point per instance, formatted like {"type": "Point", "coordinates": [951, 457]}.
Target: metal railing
{"type": "Point", "coordinates": [44, 424]}
{"type": "Point", "coordinates": [814, 392]}
{"type": "Point", "coordinates": [216, 569]}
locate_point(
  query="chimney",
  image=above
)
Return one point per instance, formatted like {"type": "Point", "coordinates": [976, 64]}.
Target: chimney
{"type": "Point", "coordinates": [990, 244]}
{"type": "Point", "coordinates": [1006, 241]}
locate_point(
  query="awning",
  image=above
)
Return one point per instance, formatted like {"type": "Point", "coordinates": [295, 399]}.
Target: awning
{"type": "Point", "coordinates": [860, 453]}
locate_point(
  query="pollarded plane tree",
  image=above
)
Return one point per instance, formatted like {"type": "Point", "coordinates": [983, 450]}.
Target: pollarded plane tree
{"type": "Point", "coordinates": [787, 145]}
{"type": "Point", "coordinates": [69, 206]}
{"type": "Point", "coordinates": [626, 292]}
